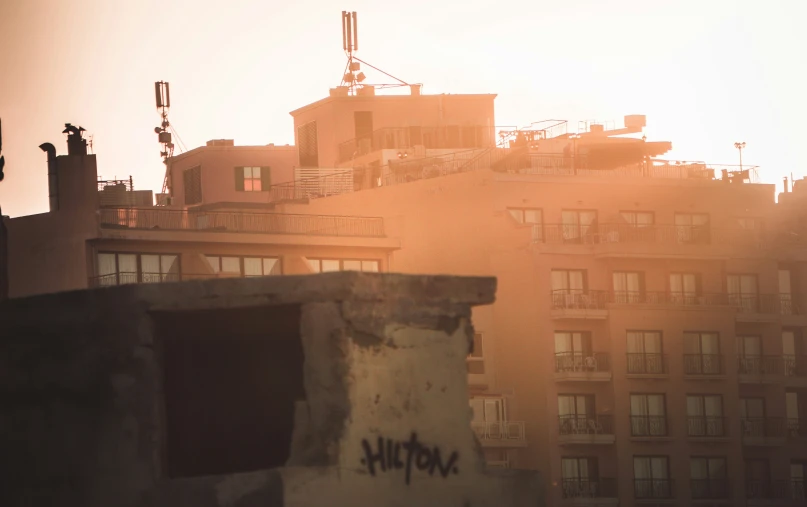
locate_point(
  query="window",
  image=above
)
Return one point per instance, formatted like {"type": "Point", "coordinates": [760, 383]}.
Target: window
{"type": "Point", "coordinates": [705, 415]}
{"type": "Point", "coordinates": [757, 478]}
{"type": "Point", "coordinates": [637, 218]}
{"type": "Point", "coordinates": [580, 478]}
{"type": "Point", "coordinates": [125, 268]}
{"type": "Point", "coordinates": [752, 417]}
{"type": "Point", "coordinates": [645, 352]}
{"type": "Point", "coordinates": [684, 288]}
{"type": "Point", "coordinates": [798, 472]}
{"type": "Point", "coordinates": [575, 413]}
{"type": "Point", "coordinates": [329, 265]}
{"type": "Point", "coordinates": [252, 179]}
{"type": "Point", "coordinates": [692, 228]}
{"type": "Point", "coordinates": [475, 361]}
{"type": "Point", "coordinates": [793, 353]}
{"type": "Point", "coordinates": [651, 476]}
{"type": "Point", "coordinates": [192, 179]}
{"type": "Point", "coordinates": [702, 354]}
{"type": "Point", "coordinates": [628, 287]}
{"type": "Point", "coordinates": [751, 224]}
{"type": "Point", "coordinates": [573, 353]}
{"type": "Point", "coordinates": [572, 342]}
{"type": "Point", "coordinates": [742, 291]}
{"type": "Point", "coordinates": [708, 477]}
{"type": "Point", "coordinates": [749, 355]}
{"type": "Point", "coordinates": [489, 410]}
{"type": "Point", "coordinates": [648, 415]}
{"type": "Point", "coordinates": [530, 216]}
{"type": "Point", "coordinates": [785, 292]}
{"type": "Point", "coordinates": [307, 142]}
{"type": "Point", "coordinates": [245, 266]}
{"type": "Point", "coordinates": [795, 411]}
{"type": "Point", "coordinates": [579, 226]}
{"type": "Point", "coordinates": [568, 288]}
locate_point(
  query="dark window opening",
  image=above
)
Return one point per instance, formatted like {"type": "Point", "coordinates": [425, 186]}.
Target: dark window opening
{"type": "Point", "coordinates": [308, 147]}
{"type": "Point", "coordinates": [193, 185]}
{"type": "Point", "coordinates": [231, 380]}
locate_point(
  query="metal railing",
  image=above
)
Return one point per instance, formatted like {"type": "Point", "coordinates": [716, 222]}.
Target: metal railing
{"type": "Point", "coordinates": [124, 278]}
{"type": "Point", "coordinates": [760, 365]}
{"type": "Point", "coordinates": [403, 138]}
{"type": "Point", "coordinates": [794, 365]}
{"type": "Point", "coordinates": [499, 430]}
{"type": "Point", "coordinates": [797, 489]}
{"type": "Point", "coordinates": [579, 300]}
{"type": "Point", "coordinates": [796, 428]}
{"type": "Point", "coordinates": [662, 234]}
{"type": "Point", "coordinates": [586, 425]}
{"type": "Point", "coordinates": [648, 425]}
{"type": "Point", "coordinates": [775, 304]}
{"type": "Point", "coordinates": [645, 363]}
{"type": "Point", "coordinates": [707, 426]}
{"type": "Point", "coordinates": [710, 488]}
{"type": "Point", "coordinates": [589, 488]}
{"type": "Point", "coordinates": [653, 489]}
{"type": "Point", "coordinates": [703, 364]}
{"type": "Point", "coordinates": [588, 362]}
{"type": "Point", "coordinates": [767, 489]}
{"type": "Point", "coordinates": [260, 223]}
{"type": "Point", "coordinates": [760, 427]}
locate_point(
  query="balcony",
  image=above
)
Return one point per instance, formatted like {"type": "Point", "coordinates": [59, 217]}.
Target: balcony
{"type": "Point", "coordinates": [586, 430]}
{"type": "Point", "coordinates": [704, 366]}
{"type": "Point", "coordinates": [796, 429]}
{"type": "Point", "coordinates": [795, 367]}
{"type": "Point", "coordinates": [500, 433]}
{"type": "Point", "coordinates": [647, 365]}
{"type": "Point", "coordinates": [797, 489]}
{"type": "Point", "coordinates": [760, 369]}
{"type": "Point", "coordinates": [582, 367]}
{"type": "Point", "coordinates": [757, 491]}
{"type": "Point", "coordinates": [648, 426]}
{"type": "Point", "coordinates": [431, 138]}
{"type": "Point", "coordinates": [588, 304]}
{"type": "Point", "coordinates": [706, 428]}
{"type": "Point", "coordinates": [159, 219]}
{"type": "Point", "coordinates": [764, 307]}
{"type": "Point", "coordinates": [763, 431]}
{"type": "Point", "coordinates": [710, 489]}
{"type": "Point", "coordinates": [653, 489]}
{"type": "Point", "coordinates": [659, 241]}
{"type": "Point", "coordinates": [589, 491]}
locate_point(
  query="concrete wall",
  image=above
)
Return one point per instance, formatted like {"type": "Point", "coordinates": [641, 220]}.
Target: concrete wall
{"type": "Point", "coordinates": [84, 415]}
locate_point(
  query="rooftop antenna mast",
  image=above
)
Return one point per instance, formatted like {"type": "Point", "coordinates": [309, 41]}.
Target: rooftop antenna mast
{"type": "Point", "coordinates": [352, 77]}
{"type": "Point", "coordinates": [162, 97]}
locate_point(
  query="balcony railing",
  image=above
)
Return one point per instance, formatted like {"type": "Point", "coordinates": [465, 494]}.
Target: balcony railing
{"type": "Point", "coordinates": [402, 138]}
{"type": "Point", "coordinates": [579, 299]}
{"type": "Point", "coordinates": [763, 427]}
{"type": "Point", "coordinates": [760, 365]}
{"type": "Point", "coordinates": [586, 424]}
{"type": "Point", "coordinates": [648, 425]}
{"type": "Point", "coordinates": [797, 489]}
{"type": "Point", "coordinates": [668, 298]}
{"type": "Point", "coordinates": [587, 362]}
{"type": "Point", "coordinates": [707, 426]}
{"type": "Point", "coordinates": [125, 278]}
{"type": "Point", "coordinates": [703, 364]}
{"type": "Point", "coordinates": [796, 428]}
{"type": "Point", "coordinates": [794, 365]}
{"type": "Point", "coordinates": [662, 234]}
{"type": "Point", "coordinates": [710, 488]}
{"type": "Point", "coordinates": [260, 223]}
{"type": "Point", "coordinates": [589, 488]}
{"type": "Point", "coordinates": [767, 489]}
{"type": "Point", "coordinates": [653, 489]}
{"type": "Point", "coordinates": [499, 430]}
{"type": "Point", "coordinates": [643, 363]}
{"type": "Point", "coordinates": [772, 304]}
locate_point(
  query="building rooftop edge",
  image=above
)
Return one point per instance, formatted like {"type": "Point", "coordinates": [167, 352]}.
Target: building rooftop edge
{"type": "Point", "coordinates": [326, 100]}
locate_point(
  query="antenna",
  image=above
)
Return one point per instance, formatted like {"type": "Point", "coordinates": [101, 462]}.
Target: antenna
{"type": "Point", "coordinates": [162, 98]}
{"type": "Point", "coordinates": [352, 77]}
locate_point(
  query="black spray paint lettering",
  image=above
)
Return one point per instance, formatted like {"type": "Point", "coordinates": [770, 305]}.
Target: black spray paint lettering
{"type": "Point", "coordinates": [387, 456]}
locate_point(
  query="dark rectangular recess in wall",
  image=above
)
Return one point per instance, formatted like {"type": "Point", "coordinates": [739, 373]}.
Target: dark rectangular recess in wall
{"type": "Point", "coordinates": [363, 124]}
{"type": "Point", "coordinates": [308, 145]}
{"type": "Point", "coordinates": [231, 378]}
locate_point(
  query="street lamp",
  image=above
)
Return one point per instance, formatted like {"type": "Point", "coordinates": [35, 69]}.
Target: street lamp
{"type": "Point", "coordinates": [740, 147]}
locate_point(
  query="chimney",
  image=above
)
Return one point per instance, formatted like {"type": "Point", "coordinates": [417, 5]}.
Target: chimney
{"type": "Point", "coordinates": [786, 185]}
{"type": "Point", "coordinates": [53, 176]}
{"type": "Point", "coordinates": [76, 144]}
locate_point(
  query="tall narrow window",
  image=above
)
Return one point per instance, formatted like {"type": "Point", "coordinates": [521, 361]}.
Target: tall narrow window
{"type": "Point", "coordinates": [192, 179]}
{"type": "Point", "coordinates": [579, 226]}
{"type": "Point", "coordinates": [645, 352]}
{"type": "Point", "coordinates": [568, 288]}
{"type": "Point", "coordinates": [684, 288]}
{"type": "Point", "coordinates": [749, 355]}
{"type": "Point", "coordinates": [476, 359]}
{"type": "Point", "coordinates": [628, 287]}
{"type": "Point", "coordinates": [308, 148]}
{"type": "Point", "coordinates": [758, 479]}
{"type": "Point", "coordinates": [702, 354]}
{"type": "Point", "coordinates": [575, 413]}
{"type": "Point", "coordinates": [651, 477]}
{"type": "Point", "coordinates": [692, 228]}
{"type": "Point", "coordinates": [798, 473]}
{"type": "Point", "coordinates": [580, 478]}
{"type": "Point", "coordinates": [648, 415]}
{"type": "Point", "coordinates": [785, 292]}
{"type": "Point", "coordinates": [572, 351]}
{"type": "Point", "coordinates": [742, 291]}
{"type": "Point", "coordinates": [705, 415]}
{"type": "Point", "coordinates": [709, 477]}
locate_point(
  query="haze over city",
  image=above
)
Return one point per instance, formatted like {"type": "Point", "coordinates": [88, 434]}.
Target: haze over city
{"type": "Point", "coordinates": [706, 73]}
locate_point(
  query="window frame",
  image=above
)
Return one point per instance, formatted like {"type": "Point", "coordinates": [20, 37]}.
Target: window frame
{"type": "Point", "coordinates": [342, 261]}
{"type": "Point", "coordinates": [241, 267]}
{"type": "Point", "coordinates": [139, 266]}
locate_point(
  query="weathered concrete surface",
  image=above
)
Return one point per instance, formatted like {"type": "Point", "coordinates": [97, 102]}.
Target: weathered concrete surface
{"type": "Point", "coordinates": [384, 419]}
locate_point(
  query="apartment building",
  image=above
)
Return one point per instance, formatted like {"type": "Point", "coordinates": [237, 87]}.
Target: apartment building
{"type": "Point", "coordinates": [647, 342]}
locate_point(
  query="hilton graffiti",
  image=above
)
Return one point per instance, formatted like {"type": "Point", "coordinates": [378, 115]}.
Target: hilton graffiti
{"type": "Point", "coordinates": [390, 455]}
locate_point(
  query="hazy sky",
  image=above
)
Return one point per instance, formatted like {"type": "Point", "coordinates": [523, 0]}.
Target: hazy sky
{"type": "Point", "coordinates": [706, 73]}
